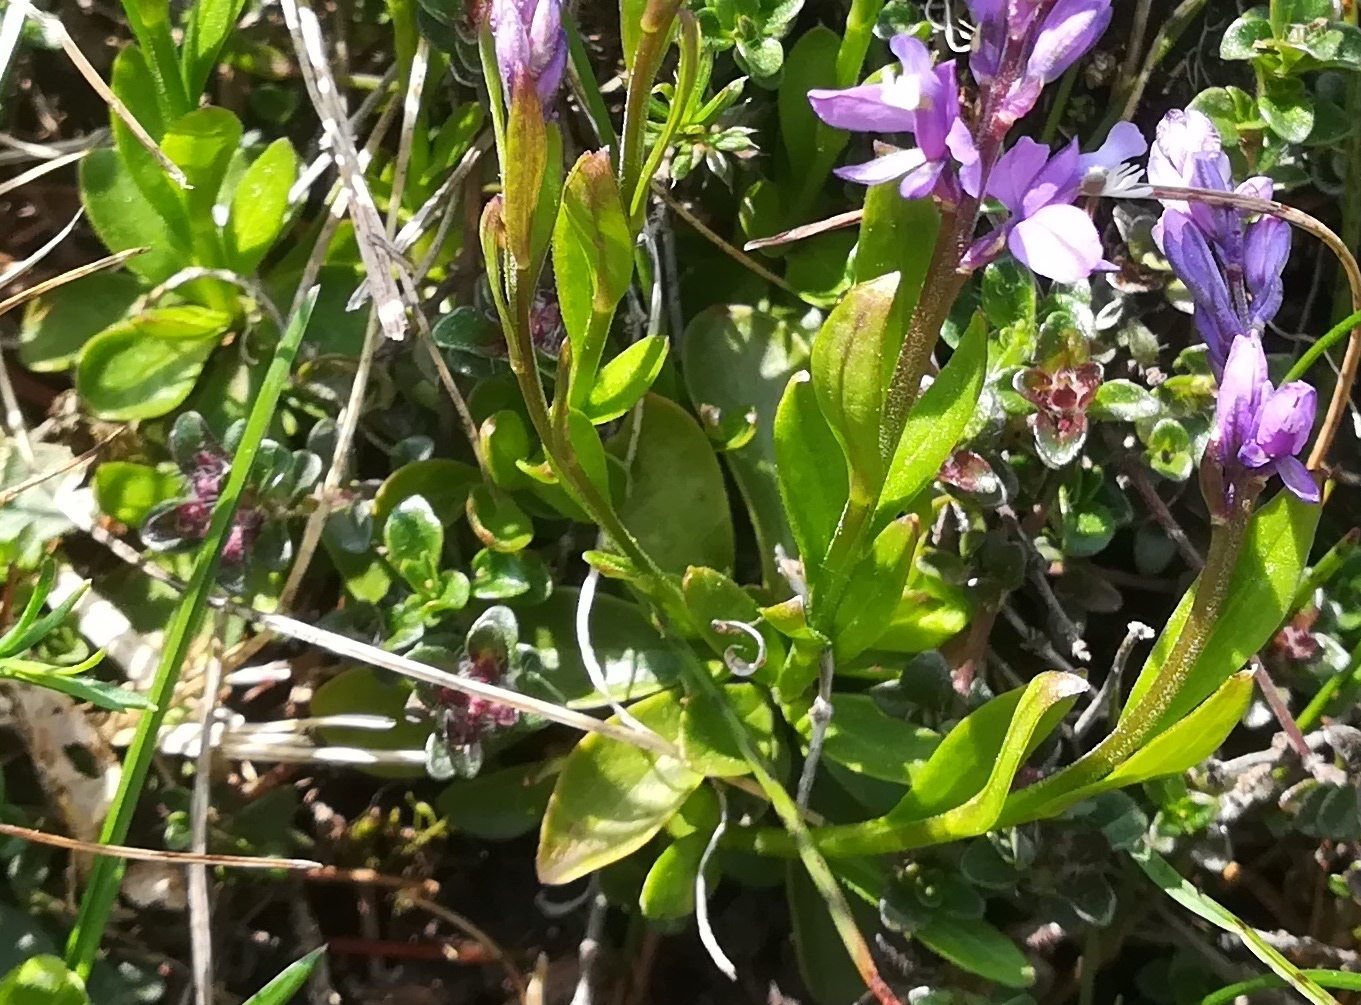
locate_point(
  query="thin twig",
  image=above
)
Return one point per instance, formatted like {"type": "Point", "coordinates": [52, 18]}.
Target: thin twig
{"type": "Point", "coordinates": [368, 226]}
{"type": "Point", "coordinates": [471, 930]}
{"type": "Point", "coordinates": [243, 283]}
{"type": "Point", "coordinates": [200, 898]}
{"type": "Point", "coordinates": [45, 167]}
{"type": "Point", "coordinates": [23, 266]}
{"type": "Point", "coordinates": [588, 952]}
{"type": "Point", "coordinates": [820, 718]}
{"type": "Point", "coordinates": [154, 855]}
{"type": "Point", "coordinates": [8, 495]}
{"type": "Point", "coordinates": [736, 254]}
{"type": "Point", "coordinates": [80, 272]}
{"type": "Point", "coordinates": [95, 81]}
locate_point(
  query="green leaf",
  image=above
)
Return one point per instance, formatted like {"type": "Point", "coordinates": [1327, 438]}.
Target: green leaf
{"type": "Point", "coordinates": [881, 248]}
{"type": "Point", "coordinates": [592, 262]}
{"type": "Point", "coordinates": [1124, 401]}
{"type": "Point", "coordinates": [1166, 878]}
{"type": "Point", "coordinates": [132, 83]}
{"type": "Point", "coordinates": [930, 612]}
{"type": "Point", "coordinates": [1169, 450]}
{"type": "Point", "coordinates": [611, 798]}
{"type": "Point", "coordinates": [866, 739]}
{"type": "Point", "coordinates": [1260, 595]}
{"type": "Point", "coordinates": [360, 690]}
{"type": "Point", "coordinates": [203, 144]}
{"type": "Point", "coordinates": [762, 59]}
{"type": "Point", "coordinates": [708, 744]}
{"type": "Point", "coordinates": [499, 805]}
{"type": "Point", "coordinates": [736, 361]}
{"type": "Point", "coordinates": [146, 366]}
{"type": "Point", "coordinates": [875, 590]}
{"type": "Point", "coordinates": [1179, 748]}
{"type": "Point", "coordinates": [677, 504]}
{"type": "Point", "coordinates": [972, 768]}
{"type": "Point", "coordinates": [100, 693]}
{"type": "Point", "coordinates": [1008, 293]}
{"type": "Point", "coordinates": [209, 25]}
{"type": "Point", "coordinates": [259, 207]}
{"type": "Point", "coordinates": [814, 484]}
{"type": "Point", "coordinates": [414, 540]}
{"type": "Point", "coordinates": [635, 659]}
{"type": "Point", "coordinates": [936, 423]}
{"type": "Point", "coordinates": [42, 980]}
{"type": "Point", "coordinates": [978, 947]}
{"type": "Point", "coordinates": [1227, 108]}
{"type": "Point", "coordinates": [1287, 107]}
{"type": "Point", "coordinates": [626, 378]}
{"type": "Point", "coordinates": [124, 219]}
{"type": "Point", "coordinates": [127, 491]}
{"type": "Point", "coordinates": [1241, 39]}
{"type": "Point", "coordinates": [150, 23]}
{"type": "Point", "coordinates": [506, 443]}
{"type": "Point", "coordinates": [57, 325]}
{"type": "Point", "coordinates": [497, 520]}
{"type": "Point", "coordinates": [499, 575]}
{"type": "Point", "coordinates": [281, 989]}
{"type": "Point", "coordinates": [852, 358]}
{"type": "Point", "coordinates": [808, 143]}
{"type": "Point", "coordinates": [817, 267]}
{"type": "Point", "coordinates": [669, 890]}
{"type": "Point", "coordinates": [443, 483]}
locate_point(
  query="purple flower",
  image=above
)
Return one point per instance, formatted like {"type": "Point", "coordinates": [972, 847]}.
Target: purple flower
{"type": "Point", "coordinates": [922, 100]}
{"type": "Point", "coordinates": [1021, 45]}
{"type": "Point", "coordinates": [1230, 262]}
{"type": "Point", "coordinates": [1260, 429]}
{"type": "Point", "coordinates": [1045, 230]}
{"type": "Point", "coordinates": [531, 45]}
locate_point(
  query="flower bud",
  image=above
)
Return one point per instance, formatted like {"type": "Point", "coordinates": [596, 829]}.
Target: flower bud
{"type": "Point", "coordinates": [531, 46]}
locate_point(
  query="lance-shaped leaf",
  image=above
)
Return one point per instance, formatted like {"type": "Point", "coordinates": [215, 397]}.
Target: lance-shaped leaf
{"type": "Point", "coordinates": [1178, 749]}
{"type": "Point", "coordinates": [852, 357]}
{"type": "Point", "coordinates": [964, 785]}
{"type": "Point", "coordinates": [936, 422]}
{"type": "Point", "coordinates": [526, 162]}
{"type": "Point", "coordinates": [592, 262]}
{"type": "Point", "coordinates": [875, 590]}
{"type": "Point", "coordinates": [812, 472]}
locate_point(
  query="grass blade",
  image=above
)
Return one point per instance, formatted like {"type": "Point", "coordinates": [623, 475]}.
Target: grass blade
{"type": "Point", "coordinates": [282, 988]}
{"type": "Point", "coordinates": [107, 873]}
{"type": "Point", "coordinates": [1172, 883]}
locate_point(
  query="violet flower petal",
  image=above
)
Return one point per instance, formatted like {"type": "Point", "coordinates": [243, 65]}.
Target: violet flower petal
{"type": "Point", "coordinates": [1285, 420]}
{"type": "Point", "coordinates": [1124, 143]}
{"type": "Point", "coordinates": [1298, 479]}
{"type": "Point", "coordinates": [1071, 28]}
{"type": "Point", "coordinates": [1014, 171]}
{"type": "Point", "coordinates": [1059, 242]}
{"type": "Point", "coordinates": [1240, 397]}
{"type": "Point", "coordinates": [868, 108]}
{"type": "Point", "coordinates": [921, 180]}
{"type": "Point", "coordinates": [889, 167]}
{"type": "Point", "coordinates": [1189, 252]}
{"type": "Point", "coordinates": [961, 145]}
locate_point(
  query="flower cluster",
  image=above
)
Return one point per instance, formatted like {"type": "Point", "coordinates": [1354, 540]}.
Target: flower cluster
{"type": "Point", "coordinates": [1022, 45]}
{"type": "Point", "coordinates": [466, 718]}
{"type": "Point", "coordinates": [918, 99]}
{"type": "Point", "coordinates": [185, 521]}
{"type": "Point", "coordinates": [1259, 431]}
{"type": "Point", "coordinates": [531, 46]}
{"type": "Point", "coordinates": [1043, 229]}
{"type": "Point", "coordinates": [1230, 261]}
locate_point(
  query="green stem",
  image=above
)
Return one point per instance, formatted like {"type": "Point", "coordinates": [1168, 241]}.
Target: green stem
{"type": "Point", "coordinates": [655, 30]}
{"type": "Point", "coordinates": [1331, 688]}
{"type": "Point", "coordinates": [939, 290]}
{"type": "Point", "coordinates": [1335, 334]}
{"type": "Point", "coordinates": [491, 75]}
{"type": "Point", "coordinates": [107, 873]}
